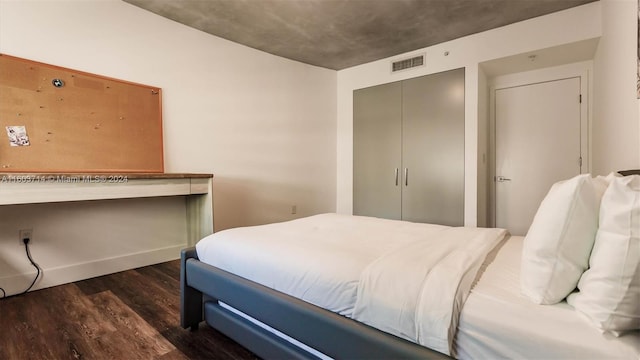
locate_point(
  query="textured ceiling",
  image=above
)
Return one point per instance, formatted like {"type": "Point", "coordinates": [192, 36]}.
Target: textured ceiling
{"type": "Point", "coordinates": [338, 34]}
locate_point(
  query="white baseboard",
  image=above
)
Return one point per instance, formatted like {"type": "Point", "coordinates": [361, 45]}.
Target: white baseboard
{"type": "Point", "coordinates": [86, 270]}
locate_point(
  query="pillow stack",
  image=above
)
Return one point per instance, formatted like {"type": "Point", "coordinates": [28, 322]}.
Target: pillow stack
{"type": "Point", "coordinates": [586, 234]}
{"type": "Point", "coordinates": [609, 291]}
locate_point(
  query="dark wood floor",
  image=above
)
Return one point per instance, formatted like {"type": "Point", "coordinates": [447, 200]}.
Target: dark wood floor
{"type": "Point", "coordinates": [128, 315]}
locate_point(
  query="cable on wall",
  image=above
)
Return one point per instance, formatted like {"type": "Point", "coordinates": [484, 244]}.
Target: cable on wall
{"type": "Point", "coordinates": [34, 264]}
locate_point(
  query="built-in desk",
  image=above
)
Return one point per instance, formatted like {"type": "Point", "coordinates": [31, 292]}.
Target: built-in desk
{"type": "Point", "coordinates": [65, 262]}
{"type": "Point", "coordinates": [34, 188]}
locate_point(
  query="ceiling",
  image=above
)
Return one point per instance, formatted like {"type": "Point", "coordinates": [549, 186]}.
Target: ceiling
{"type": "Point", "coordinates": [338, 34]}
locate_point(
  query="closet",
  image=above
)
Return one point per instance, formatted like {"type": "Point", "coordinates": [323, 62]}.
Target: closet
{"type": "Point", "coordinates": [408, 149]}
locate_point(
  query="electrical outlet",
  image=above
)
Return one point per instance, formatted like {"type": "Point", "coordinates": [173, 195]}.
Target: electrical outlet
{"type": "Point", "coordinates": [294, 209]}
{"type": "Point", "coordinates": [26, 234]}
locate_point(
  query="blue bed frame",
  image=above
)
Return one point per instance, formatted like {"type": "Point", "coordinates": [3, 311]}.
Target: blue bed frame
{"type": "Point", "coordinates": [203, 285]}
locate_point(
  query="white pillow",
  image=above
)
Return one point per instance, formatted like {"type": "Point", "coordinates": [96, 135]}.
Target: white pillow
{"type": "Point", "coordinates": [610, 290]}
{"type": "Point", "coordinates": [558, 244]}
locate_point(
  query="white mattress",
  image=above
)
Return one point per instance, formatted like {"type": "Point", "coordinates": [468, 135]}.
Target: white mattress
{"type": "Point", "coordinates": [497, 322]}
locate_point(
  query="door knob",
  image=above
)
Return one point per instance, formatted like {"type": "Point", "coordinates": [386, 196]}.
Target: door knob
{"type": "Point", "coordinates": [502, 179]}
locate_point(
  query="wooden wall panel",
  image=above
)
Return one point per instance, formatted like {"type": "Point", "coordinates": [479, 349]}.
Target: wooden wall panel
{"type": "Point", "coordinates": [91, 124]}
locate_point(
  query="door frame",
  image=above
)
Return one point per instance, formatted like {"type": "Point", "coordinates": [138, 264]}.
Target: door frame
{"type": "Point", "coordinates": [582, 70]}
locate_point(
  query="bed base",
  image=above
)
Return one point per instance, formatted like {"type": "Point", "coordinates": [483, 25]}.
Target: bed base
{"type": "Point", "coordinates": [202, 286]}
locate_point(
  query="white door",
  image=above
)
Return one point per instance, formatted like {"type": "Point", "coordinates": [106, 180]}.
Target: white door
{"type": "Point", "coordinates": [537, 143]}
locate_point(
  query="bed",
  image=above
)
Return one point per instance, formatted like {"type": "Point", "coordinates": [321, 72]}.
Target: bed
{"type": "Point", "coordinates": [326, 304]}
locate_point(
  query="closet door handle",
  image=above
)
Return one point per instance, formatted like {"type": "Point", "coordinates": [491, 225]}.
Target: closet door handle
{"type": "Point", "coordinates": [396, 176]}
{"type": "Point", "coordinates": [406, 176]}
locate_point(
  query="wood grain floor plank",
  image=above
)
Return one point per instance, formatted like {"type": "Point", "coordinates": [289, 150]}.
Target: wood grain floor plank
{"type": "Point", "coordinates": [155, 304]}
{"type": "Point", "coordinates": [20, 333]}
{"type": "Point", "coordinates": [171, 268]}
{"type": "Point", "coordinates": [134, 334]}
{"type": "Point", "coordinates": [73, 306]}
{"type": "Point", "coordinates": [39, 333]}
{"type": "Point", "coordinates": [78, 323]}
{"type": "Point", "coordinates": [166, 274]}
{"type": "Point", "coordinates": [207, 343]}
{"type": "Point", "coordinates": [173, 355]}
{"type": "Point", "coordinates": [128, 315]}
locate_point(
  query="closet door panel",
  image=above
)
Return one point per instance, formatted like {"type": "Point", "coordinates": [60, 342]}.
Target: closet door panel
{"type": "Point", "coordinates": [433, 148]}
{"type": "Point", "coordinates": [377, 151]}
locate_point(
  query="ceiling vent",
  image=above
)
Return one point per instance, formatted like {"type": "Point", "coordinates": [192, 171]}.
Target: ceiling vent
{"type": "Point", "coordinates": [407, 63]}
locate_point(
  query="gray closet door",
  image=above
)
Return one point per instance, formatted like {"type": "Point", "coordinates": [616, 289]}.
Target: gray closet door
{"type": "Point", "coordinates": [377, 146]}
{"type": "Point", "coordinates": [433, 148]}
{"type": "Point", "coordinates": [408, 149]}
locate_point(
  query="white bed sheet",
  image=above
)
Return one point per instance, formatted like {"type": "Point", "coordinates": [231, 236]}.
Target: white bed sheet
{"type": "Point", "coordinates": [416, 293]}
{"type": "Point", "coordinates": [497, 322]}
{"type": "Point", "coordinates": [360, 240]}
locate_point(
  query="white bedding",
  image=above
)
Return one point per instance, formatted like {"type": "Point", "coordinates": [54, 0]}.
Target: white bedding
{"type": "Point", "coordinates": [416, 292]}
{"type": "Point", "coordinates": [322, 266]}
{"type": "Point", "coordinates": [497, 322]}
{"type": "Point", "coordinates": [343, 262]}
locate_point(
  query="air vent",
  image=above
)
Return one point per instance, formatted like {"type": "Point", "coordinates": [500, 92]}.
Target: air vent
{"type": "Point", "coordinates": [407, 63]}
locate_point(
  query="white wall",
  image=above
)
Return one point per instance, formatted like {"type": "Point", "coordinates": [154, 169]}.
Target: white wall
{"type": "Point", "coordinates": [263, 125]}
{"type": "Point", "coordinates": [616, 121]}
{"type": "Point", "coordinates": [77, 240]}
{"type": "Point", "coordinates": [565, 27]}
